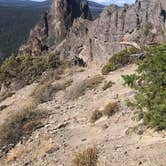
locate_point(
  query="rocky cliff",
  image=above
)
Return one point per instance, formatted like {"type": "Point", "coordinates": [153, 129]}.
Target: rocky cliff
{"type": "Point", "coordinates": [70, 34]}
{"type": "Point", "coordinates": [143, 23]}
{"type": "Point", "coordinates": [54, 25]}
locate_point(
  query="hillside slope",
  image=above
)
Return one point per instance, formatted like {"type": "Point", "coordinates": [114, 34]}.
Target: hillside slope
{"type": "Point", "coordinates": [68, 130]}
{"type": "Point", "coordinates": [65, 101]}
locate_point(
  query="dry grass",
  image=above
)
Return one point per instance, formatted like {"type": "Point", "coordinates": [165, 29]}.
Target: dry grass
{"type": "Point", "coordinates": [17, 152]}
{"type": "Point", "coordinates": [95, 116]}
{"type": "Point", "coordinates": [80, 89]}
{"type": "Point", "coordinates": [51, 75]}
{"type": "Point", "coordinates": [108, 85]}
{"type": "Point", "coordinates": [13, 154]}
{"type": "Point", "coordinates": [88, 157]}
{"type": "Point", "coordinates": [47, 146]}
{"type": "Point", "coordinates": [80, 70]}
{"type": "Point", "coordinates": [19, 125]}
{"type": "Point", "coordinates": [110, 109]}
{"type": "Point", "coordinates": [6, 95]}
{"type": "Point", "coordinates": [45, 90]}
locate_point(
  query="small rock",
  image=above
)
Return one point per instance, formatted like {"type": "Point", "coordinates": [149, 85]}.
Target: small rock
{"type": "Point", "coordinates": [140, 163]}
{"type": "Point", "coordinates": [137, 147]}
{"type": "Point", "coordinates": [105, 126]}
{"type": "Point", "coordinates": [3, 107]}
{"type": "Point", "coordinates": [84, 139]}
{"type": "Point", "coordinates": [140, 132]}
{"type": "Point", "coordinates": [57, 107]}
{"type": "Point", "coordinates": [117, 147]}
{"type": "Point", "coordinates": [54, 149]}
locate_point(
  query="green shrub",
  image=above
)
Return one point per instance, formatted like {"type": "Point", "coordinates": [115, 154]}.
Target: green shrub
{"type": "Point", "coordinates": [88, 157]}
{"type": "Point", "coordinates": [26, 67]}
{"type": "Point", "coordinates": [130, 79]}
{"type": "Point", "coordinates": [119, 60]}
{"type": "Point", "coordinates": [95, 116]}
{"type": "Point", "coordinates": [150, 86]}
{"type": "Point", "coordinates": [110, 109]}
{"type": "Point", "coordinates": [19, 125]}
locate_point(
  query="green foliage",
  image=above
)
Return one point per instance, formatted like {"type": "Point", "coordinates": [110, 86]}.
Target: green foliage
{"type": "Point", "coordinates": [150, 86]}
{"type": "Point", "coordinates": [26, 67]}
{"type": "Point", "coordinates": [119, 60]}
{"type": "Point", "coordinates": [130, 79]}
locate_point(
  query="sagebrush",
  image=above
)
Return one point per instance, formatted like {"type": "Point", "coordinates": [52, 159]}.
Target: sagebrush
{"type": "Point", "coordinates": [88, 157]}
{"type": "Point", "coordinates": [26, 68]}
{"type": "Point", "coordinates": [119, 60]}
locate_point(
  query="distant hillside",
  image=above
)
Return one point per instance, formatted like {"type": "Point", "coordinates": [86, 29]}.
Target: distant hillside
{"type": "Point", "coordinates": [17, 17]}
{"type": "Point", "coordinates": [96, 8]}
{"type": "Point", "coordinates": [15, 24]}
{"type": "Point", "coordinates": [25, 3]}
{"type": "Point", "coordinates": [95, 5]}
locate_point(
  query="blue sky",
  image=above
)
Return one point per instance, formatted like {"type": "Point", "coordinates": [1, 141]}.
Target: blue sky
{"type": "Point", "coordinates": [107, 2]}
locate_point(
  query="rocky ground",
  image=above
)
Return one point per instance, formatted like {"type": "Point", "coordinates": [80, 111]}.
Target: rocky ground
{"type": "Point", "coordinates": [67, 130]}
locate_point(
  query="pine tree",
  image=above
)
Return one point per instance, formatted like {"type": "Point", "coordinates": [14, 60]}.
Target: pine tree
{"type": "Point", "coordinates": [150, 86]}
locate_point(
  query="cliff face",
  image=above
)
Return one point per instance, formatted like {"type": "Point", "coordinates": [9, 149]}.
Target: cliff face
{"type": "Point", "coordinates": [143, 23]}
{"type": "Point", "coordinates": [54, 25]}
{"type": "Point", "coordinates": [94, 41]}
{"type": "Point", "coordinates": [63, 13]}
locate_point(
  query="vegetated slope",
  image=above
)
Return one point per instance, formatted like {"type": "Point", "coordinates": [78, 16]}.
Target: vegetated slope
{"type": "Point", "coordinates": [15, 24]}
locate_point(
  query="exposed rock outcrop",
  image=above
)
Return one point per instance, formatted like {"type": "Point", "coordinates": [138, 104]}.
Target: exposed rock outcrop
{"type": "Point", "coordinates": [55, 24]}
{"type": "Point", "coordinates": [142, 22]}
{"type": "Point", "coordinates": [66, 34]}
